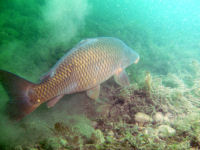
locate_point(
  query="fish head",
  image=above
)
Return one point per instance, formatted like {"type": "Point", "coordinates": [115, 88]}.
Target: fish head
{"type": "Point", "coordinates": [130, 56]}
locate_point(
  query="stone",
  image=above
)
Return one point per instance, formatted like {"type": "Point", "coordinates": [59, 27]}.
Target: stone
{"type": "Point", "coordinates": [63, 142]}
{"type": "Point", "coordinates": [94, 124]}
{"type": "Point", "coordinates": [31, 149]}
{"type": "Point", "coordinates": [169, 117]}
{"type": "Point", "coordinates": [166, 119]}
{"type": "Point", "coordinates": [158, 117]}
{"type": "Point", "coordinates": [142, 118]}
{"type": "Point", "coordinates": [149, 131]}
{"type": "Point", "coordinates": [111, 133]}
{"type": "Point", "coordinates": [51, 144]}
{"type": "Point", "coordinates": [164, 131]}
{"type": "Point", "coordinates": [18, 147]}
{"type": "Point", "coordinates": [99, 136]}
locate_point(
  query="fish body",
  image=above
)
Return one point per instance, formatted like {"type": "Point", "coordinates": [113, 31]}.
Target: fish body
{"type": "Point", "coordinates": [83, 68]}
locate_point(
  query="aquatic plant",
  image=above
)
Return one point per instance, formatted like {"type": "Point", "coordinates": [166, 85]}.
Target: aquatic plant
{"type": "Point", "coordinates": [165, 81]}
{"type": "Point", "coordinates": [148, 82]}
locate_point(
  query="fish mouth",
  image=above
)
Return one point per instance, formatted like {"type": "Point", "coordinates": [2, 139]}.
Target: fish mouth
{"type": "Point", "coordinates": [136, 61]}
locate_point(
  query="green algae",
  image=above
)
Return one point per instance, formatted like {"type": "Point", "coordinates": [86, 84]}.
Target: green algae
{"type": "Point", "coordinates": [165, 80]}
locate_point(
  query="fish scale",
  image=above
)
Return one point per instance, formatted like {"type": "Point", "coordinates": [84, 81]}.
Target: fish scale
{"type": "Point", "coordinates": [83, 68]}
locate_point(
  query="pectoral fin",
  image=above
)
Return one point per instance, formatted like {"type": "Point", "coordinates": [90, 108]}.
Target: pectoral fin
{"type": "Point", "coordinates": [121, 78]}
{"type": "Point", "coordinates": [93, 93]}
{"type": "Point", "coordinates": [53, 101]}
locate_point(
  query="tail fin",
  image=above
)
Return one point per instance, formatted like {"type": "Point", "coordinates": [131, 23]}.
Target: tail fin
{"type": "Point", "coordinates": [17, 89]}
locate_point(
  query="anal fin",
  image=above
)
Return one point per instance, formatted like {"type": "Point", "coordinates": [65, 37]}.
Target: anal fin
{"type": "Point", "coordinates": [53, 101]}
{"type": "Point", "coordinates": [93, 93]}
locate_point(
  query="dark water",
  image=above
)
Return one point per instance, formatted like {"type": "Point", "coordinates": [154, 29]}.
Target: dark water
{"type": "Point", "coordinates": [34, 34]}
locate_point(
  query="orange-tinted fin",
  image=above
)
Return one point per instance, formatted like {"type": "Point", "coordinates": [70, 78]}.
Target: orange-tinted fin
{"type": "Point", "coordinates": [121, 78]}
{"type": "Point", "coordinates": [93, 93]}
{"type": "Point", "coordinates": [17, 88]}
{"type": "Point", "coordinates": [53, 101]}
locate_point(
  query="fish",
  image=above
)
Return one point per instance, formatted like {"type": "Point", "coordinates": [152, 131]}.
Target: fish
{"type": "Point", "coordinates": [83, 68]}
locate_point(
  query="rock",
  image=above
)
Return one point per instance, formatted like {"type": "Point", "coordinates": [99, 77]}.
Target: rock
{"type": "Point", "coordinates": [166, 119]}
{"type": "Point", "coordinates": [28, 148]}
{"type": "Point", "coordinates": [110, 133]}
{"type": "Point", "coordinates": [100, 137]}
{"type": "Point", "coordinates": [51, 144]}
{"type": "Point", "coordinates": [169, 117]}
{"type": "Point", "coordinates": [94, 124]}
{"type": "Point", "coordinates": [63, 142]}
{"type": "Point", "coordinates": [126, 118]}
{"type": "Point", "coordinates": [151, 134]}
{"type": "Point", "coordinates": [158, 117]}
{"type": "Point", "coordinates": [110, 137]}
{"type": "Point", "coordinates": [104, 110]}
{"type": "Point", "coordinates": [164, 131]}
{"type": "Point", "coordinates": [149, 131]}
{"type": "Point", "coordinates": [142, 118]}
{"type": "Point", "coordinates": [198, 139]}
{"type": "Point", "coordinates": [18, 147]}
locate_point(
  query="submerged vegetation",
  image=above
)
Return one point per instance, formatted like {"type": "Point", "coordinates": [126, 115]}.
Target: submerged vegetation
{"type": "Point", "coordinates": [159, 110]}
{"type": "Point", "coordinates": [154, 115]}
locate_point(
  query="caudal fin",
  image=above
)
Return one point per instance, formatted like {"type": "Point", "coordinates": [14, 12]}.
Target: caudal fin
{"type": "Point", "coordinates": [17, 88]}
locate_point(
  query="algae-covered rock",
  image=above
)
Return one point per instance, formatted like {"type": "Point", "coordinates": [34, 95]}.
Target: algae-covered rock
{"type": "Point", "coordinates": [18, 147]}
{"type": "Point", "coordinates": [111, 133]}
{"type": "Point", "coordinates": [164, 131]}
{"type": "Point", "coordinates": [168, 117]}
{"type": "Point", "coordinates": [30, 148]}
{"type": "Point", "coordinates": [63, 142]}
{"type": "Point", "coordinates": [158, 117]}
{"type": "Point", "coordinates": [83, 125]}
{"type": "Point", "coordinates": [142, 118]}
{"type": "Point", "coordinates": [98, 137]}
{"type": "Point", "coordinates": [51, 144]}
{"type": "Point", "coordinates": [150, 131]}
{"type": "Point", "coordinates": [110, 136]}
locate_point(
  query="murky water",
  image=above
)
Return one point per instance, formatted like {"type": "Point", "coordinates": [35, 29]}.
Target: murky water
{"type": "Point", "coordinates": [159, 110]}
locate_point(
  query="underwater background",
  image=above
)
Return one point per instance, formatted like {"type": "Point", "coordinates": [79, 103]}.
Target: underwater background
{"type": "Point", "coordinates": [160, 109]}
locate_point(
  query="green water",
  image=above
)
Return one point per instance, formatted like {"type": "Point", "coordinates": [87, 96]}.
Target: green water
{"type": "Point", "coordinates": [34, 34]}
